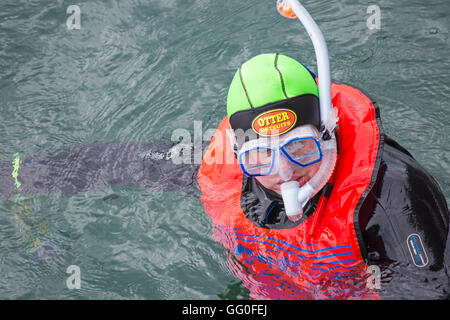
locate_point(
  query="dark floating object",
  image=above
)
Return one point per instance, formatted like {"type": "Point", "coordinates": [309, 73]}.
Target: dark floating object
{"type": "Point", "coordinates": [44, 252]}
{"type": "Point", "coordinates": [111, 196]}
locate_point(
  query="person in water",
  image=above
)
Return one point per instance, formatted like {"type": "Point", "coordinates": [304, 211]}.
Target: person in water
{"type": "Point", "coordinates": [376, 205]}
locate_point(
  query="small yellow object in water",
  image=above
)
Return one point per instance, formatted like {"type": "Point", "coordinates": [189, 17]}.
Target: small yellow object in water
{"type": "Point", "coordinates": [36, 243]}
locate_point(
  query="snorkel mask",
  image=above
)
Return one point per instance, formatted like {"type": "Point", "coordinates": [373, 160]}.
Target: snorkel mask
{"type": "Point", "coordinates": [277, 99]}
{"type": "Point", "coordinates": [267, 156]}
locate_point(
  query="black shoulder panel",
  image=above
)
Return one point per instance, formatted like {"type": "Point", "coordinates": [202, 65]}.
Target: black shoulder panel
{"type": "Point", "coordinates": [407, 215]}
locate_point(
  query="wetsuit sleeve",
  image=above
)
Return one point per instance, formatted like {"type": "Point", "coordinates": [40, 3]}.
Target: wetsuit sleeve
{"type": "Point", "coordinates": [97, 166]}
{"type": "Point", "coordinates": [407, 223]}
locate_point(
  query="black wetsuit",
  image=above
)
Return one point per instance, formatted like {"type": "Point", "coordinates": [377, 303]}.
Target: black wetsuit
{"type": "Point", "coordinates": [97, 166]}
{"type": "Point", "coordinates": [405, 205]}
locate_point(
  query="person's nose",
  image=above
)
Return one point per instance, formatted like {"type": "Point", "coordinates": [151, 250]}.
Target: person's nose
{"type": "Point", "coordinates": [286, 168]}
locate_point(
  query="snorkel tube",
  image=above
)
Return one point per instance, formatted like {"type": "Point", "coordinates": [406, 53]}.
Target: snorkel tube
{"type": "Point", "coordinates": [294, 196]}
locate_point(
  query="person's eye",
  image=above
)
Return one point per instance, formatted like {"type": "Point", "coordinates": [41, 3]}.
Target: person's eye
{"type": "Point", "coordinates": [296, 145]}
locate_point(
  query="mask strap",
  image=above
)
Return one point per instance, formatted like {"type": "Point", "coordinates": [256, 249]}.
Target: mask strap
{"type": "Point", "coordinates": [233, 142]}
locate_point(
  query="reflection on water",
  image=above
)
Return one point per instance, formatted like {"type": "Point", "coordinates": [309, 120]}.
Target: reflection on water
{"type": "Point", "coordinates": [291, 273]}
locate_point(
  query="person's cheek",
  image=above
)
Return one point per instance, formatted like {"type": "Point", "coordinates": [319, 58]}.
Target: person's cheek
{"type": "Point", "coordinates": [311, 171]}
{"type": "Point", "coordinates": [267, 181]}
{"type": "Point", "coordinates": [314, 168]}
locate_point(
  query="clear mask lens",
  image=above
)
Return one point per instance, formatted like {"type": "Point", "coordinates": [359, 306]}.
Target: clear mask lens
{"type": "Point", "coordinates": [258, 161]}
{"type": "Point", "coordinates": [303, 151]}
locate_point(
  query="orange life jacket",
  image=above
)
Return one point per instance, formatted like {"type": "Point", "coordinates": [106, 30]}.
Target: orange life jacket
{"type": "Point", "coordinates": [323, 256]}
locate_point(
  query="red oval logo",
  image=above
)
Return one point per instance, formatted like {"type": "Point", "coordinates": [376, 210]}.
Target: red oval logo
{"type": "Point", "coordinates": [274, 122]}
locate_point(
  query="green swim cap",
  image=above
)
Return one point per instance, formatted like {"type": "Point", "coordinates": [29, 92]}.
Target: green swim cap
{"type": "Point", "coordinates": [271, 81]}
{"type": "Point", "coordinates": [267, 78]}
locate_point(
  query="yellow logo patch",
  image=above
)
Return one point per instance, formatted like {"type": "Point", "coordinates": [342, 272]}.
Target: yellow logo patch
{"type": "Point", "coordinates": [274, 122]}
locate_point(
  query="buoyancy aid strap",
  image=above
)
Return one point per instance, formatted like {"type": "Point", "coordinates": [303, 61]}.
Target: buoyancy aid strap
{"type": "Point", "coordinates": [321, 204]}
{"type": "Point", "coordinates": [362, 108]}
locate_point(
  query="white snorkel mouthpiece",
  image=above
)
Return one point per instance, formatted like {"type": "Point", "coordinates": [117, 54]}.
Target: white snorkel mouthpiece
{"type": "Point", "coordinates": [294, 197]}
{"type": "Point", "coordinates": [289, 192]}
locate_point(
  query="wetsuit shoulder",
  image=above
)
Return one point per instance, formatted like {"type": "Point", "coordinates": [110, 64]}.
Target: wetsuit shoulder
{"type": "Point", "coordinates": [405, 217]}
